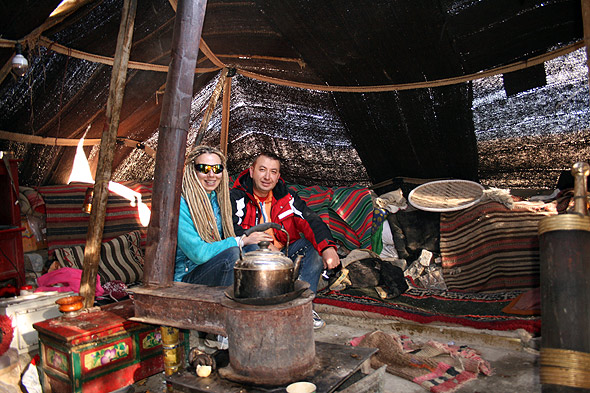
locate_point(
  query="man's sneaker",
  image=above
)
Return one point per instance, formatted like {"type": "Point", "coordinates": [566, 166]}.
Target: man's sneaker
{"type": "Point", "coordinates": [318, 322]}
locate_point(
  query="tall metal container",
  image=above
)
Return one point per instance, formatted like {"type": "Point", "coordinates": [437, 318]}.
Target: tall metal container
{"type": "Point", "coordinates": [564, 245]}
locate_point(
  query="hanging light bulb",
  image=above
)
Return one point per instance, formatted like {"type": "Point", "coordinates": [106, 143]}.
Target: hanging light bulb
{"type": "Point", "coordinates": [20, 65]}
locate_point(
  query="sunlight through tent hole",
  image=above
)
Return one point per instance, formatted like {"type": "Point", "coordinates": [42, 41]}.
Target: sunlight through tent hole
{"type": "Point", "coordinates": [81, 173]}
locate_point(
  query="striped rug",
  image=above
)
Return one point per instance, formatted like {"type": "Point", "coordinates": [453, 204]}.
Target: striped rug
{"type": "Point", "coordinates": [348, 212]}
{"type": "Point", "coordinates": [67, 224]}
{"type": "Point", "coordinates": [489, 247]}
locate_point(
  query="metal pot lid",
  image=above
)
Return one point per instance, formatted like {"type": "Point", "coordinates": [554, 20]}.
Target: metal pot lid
{"type": "Point", "coordinates": [264, 259]}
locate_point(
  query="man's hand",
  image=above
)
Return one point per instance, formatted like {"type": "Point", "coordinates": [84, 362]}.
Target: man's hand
{"type": "Point", "coordinates": [330, 258]}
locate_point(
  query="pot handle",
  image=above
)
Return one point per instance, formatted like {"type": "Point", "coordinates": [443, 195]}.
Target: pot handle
{"type": "Point", "coordinates": [262, 228]}
{"type": "Point", "coordinates": [267, 225]}
{"type": "Point", "coordinates": [297, 267]}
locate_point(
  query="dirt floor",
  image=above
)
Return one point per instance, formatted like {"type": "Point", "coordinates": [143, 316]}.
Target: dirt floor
{"type": "Point", "coordinates": [512, 355]}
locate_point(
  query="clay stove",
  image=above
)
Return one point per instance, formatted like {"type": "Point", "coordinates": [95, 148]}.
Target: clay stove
{"type": "Point", "coordinates": [270, 346]}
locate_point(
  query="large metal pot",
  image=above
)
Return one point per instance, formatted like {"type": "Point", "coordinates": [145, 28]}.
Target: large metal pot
{"type": "Point", "coordinates": [264, 273]}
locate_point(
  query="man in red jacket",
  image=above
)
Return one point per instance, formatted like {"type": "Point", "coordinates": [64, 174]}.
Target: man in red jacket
{"type": "Point", "coordinates": [260, 195]}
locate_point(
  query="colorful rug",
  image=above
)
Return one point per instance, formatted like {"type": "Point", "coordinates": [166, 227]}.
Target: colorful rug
{"type": "Point", "coordinates": [489, 247]}
{"type": "Point", "coordinates": [476, 310]}
{"type": "Point", "coordinates": [348, 212]}
{"type": "Point", "coordinates": [67, 225]}
{"type": "Point", "coordinates": [437, 367]}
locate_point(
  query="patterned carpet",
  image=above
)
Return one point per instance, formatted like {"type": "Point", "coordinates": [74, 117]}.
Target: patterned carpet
{"type": "Point", "coordinates": [476, 310]}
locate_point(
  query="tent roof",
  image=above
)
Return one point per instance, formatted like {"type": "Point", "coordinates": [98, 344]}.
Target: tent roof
{"type": "Point", "coordinates": [358, 133]}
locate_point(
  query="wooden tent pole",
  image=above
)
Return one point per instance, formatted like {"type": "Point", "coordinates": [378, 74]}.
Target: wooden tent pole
{"type": "Point", "coordinates": [107, 151]}
{"type": "Point", "coordinates": [173, 131]}
{"type": "Point", "coordinates": [225, 115]}
{"type": "Point", "coordinates": [209, 111]}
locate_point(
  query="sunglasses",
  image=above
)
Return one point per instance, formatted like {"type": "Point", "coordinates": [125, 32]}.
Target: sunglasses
{"type": "Point", "coordinates": [205, 168]}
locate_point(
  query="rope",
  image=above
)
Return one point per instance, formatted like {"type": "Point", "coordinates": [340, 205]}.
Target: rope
{"type": "Point", "coordinates": [421, 85]}
{"type": "Point", "coordinates": [51, 141]}
{"type": "Point", "coordinates": [565, 367]}
{"type": "Point", "coordinates": [300, 62]}
{"type": "Point", "coordinates": [4, 43]}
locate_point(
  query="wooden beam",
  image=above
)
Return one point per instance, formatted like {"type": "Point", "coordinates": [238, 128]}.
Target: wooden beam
{"type": "Point", "coordinates": [209, 111]}
{"type": "Point", "coordinates": [173, 131]}
{"type": "Point", "coordinates": [225, 116]}
{"type": "Point", "coordinates": [105, 158]}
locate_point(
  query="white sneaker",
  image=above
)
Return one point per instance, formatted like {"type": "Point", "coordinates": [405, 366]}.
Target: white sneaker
{"type": "Point", "coordinates": [318, 322]}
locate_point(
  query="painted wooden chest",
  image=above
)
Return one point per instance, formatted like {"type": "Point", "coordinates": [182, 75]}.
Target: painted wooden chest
{"type": "Point", "coordinates": [99, 351]}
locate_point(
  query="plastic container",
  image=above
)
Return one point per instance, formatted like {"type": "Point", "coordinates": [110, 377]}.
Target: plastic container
{"type": "Point", "coordinates": [26, 290]}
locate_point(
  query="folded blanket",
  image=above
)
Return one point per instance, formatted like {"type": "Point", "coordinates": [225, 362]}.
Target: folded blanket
{"type": "Point", "coordinates": [64, 280]}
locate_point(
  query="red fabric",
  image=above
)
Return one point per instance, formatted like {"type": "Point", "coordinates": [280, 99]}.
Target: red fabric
{"type": "Point", "coordinates": [9, 290]}
{"type": "Point", "coordinates": [287, 210]}
{"type": "Point", "coordinates": [7, 333]}
{"type": "Point", "coordinates": [69, 278]}
{"type": "Point", "coordinates": [35, 200]}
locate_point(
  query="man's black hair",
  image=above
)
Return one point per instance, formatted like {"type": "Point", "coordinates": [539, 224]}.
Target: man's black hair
{"type": "Point", "coordinates": [268, 154]}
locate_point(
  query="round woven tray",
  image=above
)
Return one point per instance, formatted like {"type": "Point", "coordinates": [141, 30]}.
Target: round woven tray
{"type": "Point", "coordinates": [446, 195]}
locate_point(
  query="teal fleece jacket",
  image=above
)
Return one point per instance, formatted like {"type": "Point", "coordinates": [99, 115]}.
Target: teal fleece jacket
{"type": "Point", "coordinates": [191, 250]}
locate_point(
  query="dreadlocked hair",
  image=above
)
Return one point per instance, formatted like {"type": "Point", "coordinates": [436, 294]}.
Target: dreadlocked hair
{"type": "Point", "coordinates": [198, 201]}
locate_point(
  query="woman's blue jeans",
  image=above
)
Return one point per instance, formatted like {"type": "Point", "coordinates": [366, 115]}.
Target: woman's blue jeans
{"type": "Point", "coordinates": [217, 271]}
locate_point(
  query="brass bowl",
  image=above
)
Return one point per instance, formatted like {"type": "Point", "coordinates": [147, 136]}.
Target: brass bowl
{"type": "Point", "coordinates": [70, 303]}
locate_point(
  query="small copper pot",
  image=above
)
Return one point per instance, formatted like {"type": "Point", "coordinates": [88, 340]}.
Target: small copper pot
{"type": "Point", "coordinates": [70, 303]}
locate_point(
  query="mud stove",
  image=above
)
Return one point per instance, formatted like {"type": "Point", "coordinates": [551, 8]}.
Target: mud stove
{"type": "Point", "coordinates": [270, 345]}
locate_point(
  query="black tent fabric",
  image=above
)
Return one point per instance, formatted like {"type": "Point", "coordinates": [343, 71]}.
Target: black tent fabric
{"type": "Point", "coordinates": [466, 129]}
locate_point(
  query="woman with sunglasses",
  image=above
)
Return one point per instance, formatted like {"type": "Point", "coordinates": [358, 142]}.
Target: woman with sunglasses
{"type": "Point", "coordinates": [207, 247]}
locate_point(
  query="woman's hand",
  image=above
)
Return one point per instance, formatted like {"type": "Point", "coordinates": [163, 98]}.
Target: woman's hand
{"type": "Point", "coordinates": [257, 237]}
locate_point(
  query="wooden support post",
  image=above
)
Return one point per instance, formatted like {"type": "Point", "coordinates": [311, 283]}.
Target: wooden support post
{"type": "Point", "coordinates": [225, 116]}
{"type": "Point", "coordinates": [107, 151]}
{"type": "Point", "coordinates": [209, 111]}
{"type": "Point", "coordinates": [173, 131]}
{"type": "Point", "coordinates": [564, 250]}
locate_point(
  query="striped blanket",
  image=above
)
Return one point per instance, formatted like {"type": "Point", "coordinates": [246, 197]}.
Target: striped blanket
{"type": "Point", "coordinates": [67, 225]}
{"type": "Point", "coordinates": [348, 212]}
{"type": "Point", "coordinates": [489, 247]}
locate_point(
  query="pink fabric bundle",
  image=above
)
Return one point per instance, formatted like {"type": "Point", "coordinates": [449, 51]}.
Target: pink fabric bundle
{"type": "Point", "coordinates": [68, 277]}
